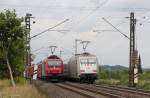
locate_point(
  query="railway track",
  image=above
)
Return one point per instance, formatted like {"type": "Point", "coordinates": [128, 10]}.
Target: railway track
{"type": "Point", "coordinates": [111, 92]}
{"type": "Point", "coordinates": [86, 91]}
{"type": "Point", "coordinates": [92, 90]}
{"type": "Point", "coordinates": [130, 88]}
{"type": "Point", "coordinates": [136, 91]}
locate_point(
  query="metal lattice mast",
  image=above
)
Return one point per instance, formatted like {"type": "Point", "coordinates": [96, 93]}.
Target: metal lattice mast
{"type": "Point", "coordinates": [132, 49]}
{"type": "Point", "coordinates": [133, 59]}
{"type": "Point", "coordinates": [28, 48]}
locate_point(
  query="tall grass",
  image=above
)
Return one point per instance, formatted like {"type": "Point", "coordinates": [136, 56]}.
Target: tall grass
{"type": "Point", "coordinates": [121, 78]}
{"type": "Point", "coordinates": [20, 91]}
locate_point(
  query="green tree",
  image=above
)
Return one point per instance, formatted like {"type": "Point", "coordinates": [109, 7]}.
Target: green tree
{"type": "Point", "coordinates": [139, 65]}
{"type": "Point", "coordinates": [12, 34]}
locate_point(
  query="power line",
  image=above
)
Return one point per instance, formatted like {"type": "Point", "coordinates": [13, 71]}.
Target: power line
{"type": "Point", "coordinates": [38, 49]}
{"type": "Point", "coordinates": [147, 11]}
{"type": "Point", "coordinates": [51, 7]}
{"type": "Point", "coordinates": [92, 12]}
{"type": "Point", "coordinates": [49, 28]}
{"type": "Point", "coordinates": [116, 28]}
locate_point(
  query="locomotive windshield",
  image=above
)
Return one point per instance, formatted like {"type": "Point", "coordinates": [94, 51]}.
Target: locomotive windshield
{"type": "Point", "coordinates": [88, 61]}
{"type": "Point", "coordinates": [54, 63]}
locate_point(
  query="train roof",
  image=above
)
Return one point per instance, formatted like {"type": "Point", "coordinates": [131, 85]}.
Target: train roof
{"type": "Point", "coordinates": [85, 54]}
{"type": "Point", "coordinates": [50, 57]}
{"type": "Point", "coordinates": [53, 57]}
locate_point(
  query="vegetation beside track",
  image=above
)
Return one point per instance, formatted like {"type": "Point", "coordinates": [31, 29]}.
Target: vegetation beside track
{"type": "Point", "coordinates": [23, 89]}
{"type": "Point", "coordinates": [120, 78]}
{"type": "Point", "coordinates": [12, 45]}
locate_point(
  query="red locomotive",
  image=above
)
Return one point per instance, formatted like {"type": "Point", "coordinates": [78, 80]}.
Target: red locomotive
{"type": "Point", "coordinates": [50, 68]}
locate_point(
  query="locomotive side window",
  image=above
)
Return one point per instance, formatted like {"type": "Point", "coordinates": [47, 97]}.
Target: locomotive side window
{"type": "Point", "coordinates": [54, 63]}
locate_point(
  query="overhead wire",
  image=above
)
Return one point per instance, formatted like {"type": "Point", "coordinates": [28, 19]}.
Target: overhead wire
{"type": "Point", "coordinates": [49, 28]}
{"type": "Point", "coordinates": [49, 6]}
{"type": "Point", "coordinates": [116, 28]}
{"type": "Point", "coordinates": [136, 16]}
{"type": "Point", "coordinates": [89, 14]}
{"type": "Point", "coordinates": [52, 44]}
{"type": "Point", "coordinates": [46, 31]}
{"type": "Point", "coordinates": [92, 12]}
{"type": "Point", "coordinates": [59, 38]}
{"type": "Point", "coordinates": [122, 23]}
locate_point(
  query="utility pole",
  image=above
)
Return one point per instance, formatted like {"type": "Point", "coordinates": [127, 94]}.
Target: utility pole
{"type": "Point", "coordinates": [28, 48]}
{"type": "Point", "coordinates": [133, 71]}
{"type": "Point", "coordinates": [133, 59]}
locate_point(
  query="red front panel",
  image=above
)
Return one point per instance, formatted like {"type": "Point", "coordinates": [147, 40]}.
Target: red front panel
{"type": "Point", "coordinates": [54, 69]}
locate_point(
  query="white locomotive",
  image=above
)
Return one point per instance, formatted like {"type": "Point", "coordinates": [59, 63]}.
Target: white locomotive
{"type": "Point", "coordinates": [82, 67]}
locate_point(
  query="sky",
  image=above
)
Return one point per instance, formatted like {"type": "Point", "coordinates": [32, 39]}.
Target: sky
{"type": "Point", "coordinates": [85, 17]}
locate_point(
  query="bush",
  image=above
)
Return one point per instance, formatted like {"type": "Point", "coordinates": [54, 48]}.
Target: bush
{"type": "Point", "coordinates": [121, 78]}
{"type": "Point", "coordinates": [21, 80]}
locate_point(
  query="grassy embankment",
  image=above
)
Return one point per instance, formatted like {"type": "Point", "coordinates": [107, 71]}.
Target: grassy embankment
{"type": "Point", "coordinates": [121, 78]}
{"type": "Point", "coordinates": [22, 90]}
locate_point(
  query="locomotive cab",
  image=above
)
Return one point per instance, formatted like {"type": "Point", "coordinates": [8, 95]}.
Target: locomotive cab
{"type": "Point", "coordinates": [54, 67]}
{"type": "Point", "coordinates": [83, 67]}
{"type": "Point", "coordinates": [88, 68]}
{"type": "Point", "coordinates": [51, 68]}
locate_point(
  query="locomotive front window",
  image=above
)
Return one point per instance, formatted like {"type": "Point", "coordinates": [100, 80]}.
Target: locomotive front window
{"type": "Point", "coordinates": [84, 61]}
{"type": "Point", "coordinates": [54, 63]}
{"type": "Point", "coordinates": [88, 61]}
{"type": "Point", "coordinates": [91, 61]}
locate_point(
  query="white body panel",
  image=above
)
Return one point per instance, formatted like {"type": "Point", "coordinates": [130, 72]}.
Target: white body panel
{"type": "Point", "coordinates": [88, 65]}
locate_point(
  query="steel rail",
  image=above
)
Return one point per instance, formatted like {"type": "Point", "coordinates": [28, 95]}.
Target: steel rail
{"type": "Point", "coordinates": [93, 90]}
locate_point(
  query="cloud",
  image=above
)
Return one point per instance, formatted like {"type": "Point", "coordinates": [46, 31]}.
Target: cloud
{"type": "Point", "coordinates": [110, 47]}
{"type": "Point", "coordinates": [87, 35]}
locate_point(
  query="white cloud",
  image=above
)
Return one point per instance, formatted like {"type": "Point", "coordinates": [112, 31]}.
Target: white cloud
{"type": "Point", "coordinates": [110, 47]}
{"type": "Point", "coordinates": [87, 35]}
